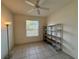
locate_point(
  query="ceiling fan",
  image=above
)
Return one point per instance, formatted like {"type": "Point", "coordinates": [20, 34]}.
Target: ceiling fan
{"type": "Point", "coordinates": [36, 6]}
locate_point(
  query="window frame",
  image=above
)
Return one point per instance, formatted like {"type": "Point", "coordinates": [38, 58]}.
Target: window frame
{"type": "Point", "coordinates": [37, 30]}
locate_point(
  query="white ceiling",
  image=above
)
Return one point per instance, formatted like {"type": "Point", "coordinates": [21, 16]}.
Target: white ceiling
{"type": "Point", "coordinates": [20, 7]}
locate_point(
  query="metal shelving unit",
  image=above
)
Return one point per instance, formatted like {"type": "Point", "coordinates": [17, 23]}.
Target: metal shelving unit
{"type": "Point", "coordinates": [54, 35]}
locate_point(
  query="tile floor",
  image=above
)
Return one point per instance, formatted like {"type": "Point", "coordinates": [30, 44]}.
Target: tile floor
{"type": "Point", "coordinates": [39, 50]}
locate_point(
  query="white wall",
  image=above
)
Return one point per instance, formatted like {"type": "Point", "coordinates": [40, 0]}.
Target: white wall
{"type": "Point", "coordinates": [5, 16]}
{"type": "Point", "coordinates": [68, 17]}
{"type": "Point", "coordinates": [20, 28]}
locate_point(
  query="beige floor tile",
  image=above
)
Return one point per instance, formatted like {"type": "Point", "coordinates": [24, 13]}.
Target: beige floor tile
{"type": "Point", "coordinates": [39, 50]}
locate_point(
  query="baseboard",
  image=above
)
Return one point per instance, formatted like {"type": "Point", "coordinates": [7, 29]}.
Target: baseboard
{"type": "Point", "coordinates": [68, 54]}
{"type": "Point", "coordinates": [28, 43]}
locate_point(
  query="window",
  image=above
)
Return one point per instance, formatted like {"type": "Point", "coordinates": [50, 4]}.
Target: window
{"type": "Point", "coordinates": [32, 28]}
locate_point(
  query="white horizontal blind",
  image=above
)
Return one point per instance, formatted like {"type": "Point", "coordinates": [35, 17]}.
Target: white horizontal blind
{"type": "Point", "coordinates": [32, 28]}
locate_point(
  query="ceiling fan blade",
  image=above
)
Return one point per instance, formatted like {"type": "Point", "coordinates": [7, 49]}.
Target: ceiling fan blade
{"type": "Point", "coordinates": [44, 8]}
{"type": "Point", "coordinates": [38, 11]}
{"type": "Point", "coordinates": [30, 3]}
